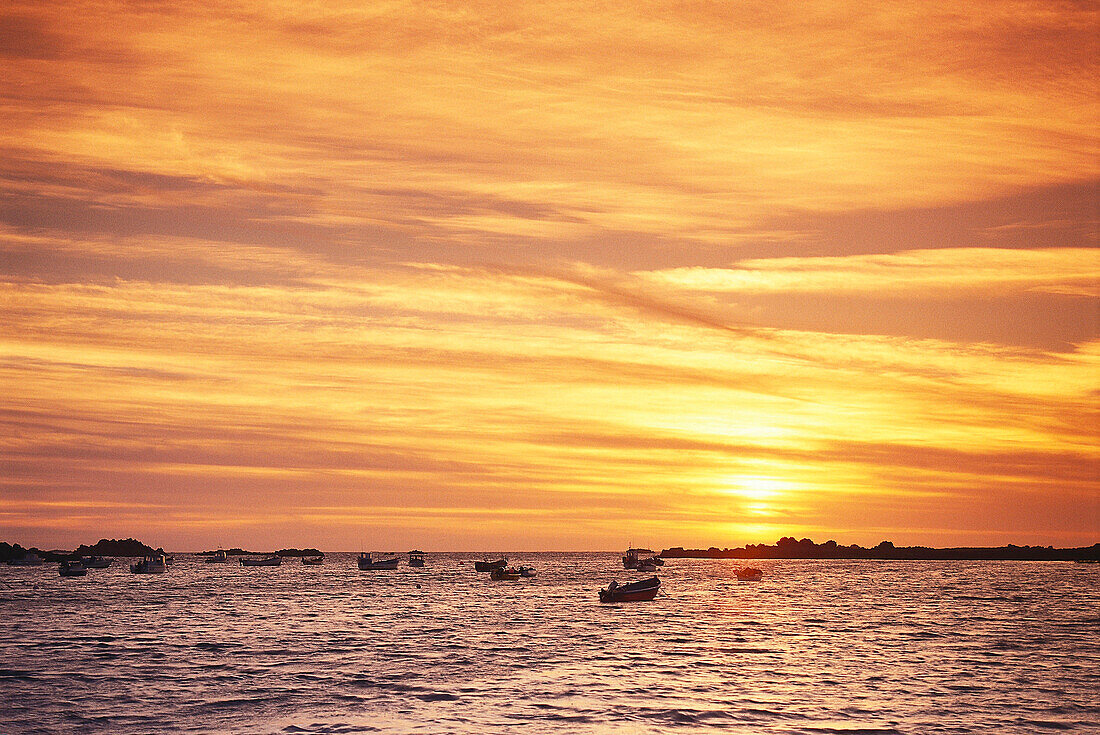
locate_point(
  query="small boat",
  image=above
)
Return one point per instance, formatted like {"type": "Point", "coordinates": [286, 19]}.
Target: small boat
{"type": "Point", "coordinates": [313, 561]}
{"type": "Point", "coordinates": [416, 558]}
{"type": "Point", "coordinates": [510, 574]}
{"type": "Point", "coordinates": [633, 556]}
{"type": "Point", "coordinates": [749, 574]}
{"type": "Point", "coordinates": [368, 563]}
{"type": "Point", "coordinates": [646, 565]}
{"type": "Point", "coordinates": [30, 559]}
{"type": "Point", "coordinates": [96, 562]}
{"type": "Point", "coordinates": [150, 565]}
{"type": "Point", "coordinates": [488, 566]}
{"type": "Point", "coordinates": [71, 569]}
{"type": "Point", "coordinates": [645, 589]}
{"type": "Point", "coordinates": [218, 557]}
{"type": "Point", "coordinates": [527, 571]}
{"type": "Point", "coordinates": [267, 561]}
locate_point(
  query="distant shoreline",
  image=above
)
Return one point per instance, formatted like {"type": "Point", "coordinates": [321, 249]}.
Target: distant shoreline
{"type": "Point", "coordinates": [789, 548]}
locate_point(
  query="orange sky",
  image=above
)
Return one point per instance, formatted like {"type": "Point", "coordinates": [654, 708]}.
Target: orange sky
{"type": "Point", "coordinates": [549, 276]}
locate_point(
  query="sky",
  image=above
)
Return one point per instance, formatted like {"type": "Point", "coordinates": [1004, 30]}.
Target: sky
{"type": "Point", "coordinates": [557, 275]}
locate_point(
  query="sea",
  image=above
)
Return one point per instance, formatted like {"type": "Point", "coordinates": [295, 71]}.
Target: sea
{"type": "Point", "coordinates": [836, 646]}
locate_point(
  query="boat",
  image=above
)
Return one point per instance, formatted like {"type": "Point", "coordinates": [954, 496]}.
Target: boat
{"type": "Point", "coordinates": [527, 571]}
{"type": "Point", "coordinates": [633, 556]}
{"type": "Point", "coordinates": [368, 563]}
{"type": "Point", "coordinates": [488, 566]}
{"type": "Point", "coordinates": [313, 561]}
{"type": "Point", "coordinates": [749, 574]}
{"type": "Point", "coordinates": [646, 565]}
{"type": "Point", "coordinates": [218, 557]}
{"type": "Point", "coordinates": [511, 574]}
{"type": "Point", "coordinates": [71, 569]}
{"type": "Point", "coordinates": [96, 562]}
{"type": "Point", "coordinates": [416, 558]}
{"type": "Point", "coordinates": [645, 589]}
{"type": "Point", "coordinates": [150, 565]}
{"type": "Point", "coordinates": [267, 561]}
{"type": "Point", "coordinates": [30, 559]}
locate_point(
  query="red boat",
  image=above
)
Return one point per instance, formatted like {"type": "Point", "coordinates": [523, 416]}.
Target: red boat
{"type": "Point", "coordinates": [646, 589]}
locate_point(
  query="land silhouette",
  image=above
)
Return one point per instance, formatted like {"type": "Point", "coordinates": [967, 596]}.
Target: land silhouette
{"type": "Point", "coordinates": [790, 548]}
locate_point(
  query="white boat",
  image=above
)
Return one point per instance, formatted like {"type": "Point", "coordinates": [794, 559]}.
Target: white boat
{"type": "Point", "coordinates": [96, 562]}
{"type": "Point", "coordinates": [527, 571]}
{"type": "Point", "coordinates": [367, 562]}
{"type": "Point", "coordinates": [218, 557]}
{"type": "Point", "coordinates": [313, 561]}
{"type": "Point", "coordinates": [71, 569]}
{"type": "Point", "coordinates": [31, 559]}
{"type": "Point", "coordinates": [268, 561]}
{"type": "Point", "coordinates": [150, 565]}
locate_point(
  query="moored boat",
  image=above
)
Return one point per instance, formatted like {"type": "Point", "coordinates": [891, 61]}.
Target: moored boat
{"type": "Point", "coordinates": [218, 557]}
{"type": "Point", "coordinates": [71, 569]}
{"type": "Point", "coordinates": [646, 565]}
{"type": "Point", "coordinates": [645, 589]}
{"type": "Point", "coordinates": [368, 563]}
{"type": "Point", "coordinates": [267, 561]}
{"type": "Point", "coordinates": [96, 562]}
{"type": "Point", "coordinates": [30, 559]}
{"type": "Point", "coordinates": [633, 557]}
{"type": "Point", "coordinates": [488, 566]}
{"type": "Point", "coordinates": [527, 571]}
{"type": "Point", "coordinates": [416, 558]}
{"type": "Point", "coordinates": [749, 574]}
{"type": "Point", "coordinates": [510, 574]}
{"type": "Point", "coordinates": [313, 561]}
{"type": "Point", "coordinates": [150, 565]}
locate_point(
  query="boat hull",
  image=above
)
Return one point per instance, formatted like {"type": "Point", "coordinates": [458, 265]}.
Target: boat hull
{"type": "Point", "coordinates": [505, 575]}
{"type": "Point", "coordinates": [313, 561]}
{"type": "Point", "coordinates": [367, 565]}
{"type": "Point", "coordinates": [72, 570]}
{"type": "Point", "coordinates": [642, 591]}
{"type": "Point", "coordinates": [271, 562]}
{"type": "Point", "coordinates": [749, 575]}
{"type": "Point", "coordinates": [97, 562]}
{"type": "Point", "coordinates": [488, 566]}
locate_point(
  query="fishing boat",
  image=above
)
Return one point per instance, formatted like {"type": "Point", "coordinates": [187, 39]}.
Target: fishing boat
{"type": "Point", "coordinates": [150, 565]}
{"type": "Point", "coordinates": [511, 574]}
{"type": "Point", "coordinates": [416, 558]}
{"type": "Point", "coordinates": [313, 561]}
{"type": "Point", "coordinates": [267, 561]}
{"type": "Point", "coordinates": [367, 562]}
{"type": "Point", "coordinates": [30, 559]}
{"type": "Point", "coordinates": [749, 574]}
{"type": "Point", "coordinates": [71, 569]}
{"type": "Point", "coordinates": [633, 556]}
{"type": "Point", "coordinates": [96, 562]}
{"type": "Point", "coordinates": [488, 566]}
{"type": "Point", "coordinates": [645, 589]}
{"type": "Point", "coordinates": [218, 557]}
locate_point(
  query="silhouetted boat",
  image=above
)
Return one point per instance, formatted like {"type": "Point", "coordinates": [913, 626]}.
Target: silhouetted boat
{"type": "Point", "coordinates": [71, 569]}
{"type": "Point", "coordinates": [29, 559]}
{"type": "Point", "coordinates": [749, 574]}
{"type": "Point", "coordinates": [150, 565]}
{"type": "Point", "coordinates": [218, 557]}
{"type": "Point", "coordinates": [646, 589]}
{"type": "Point", "coordinates": [416, 558]}
{"type": "Point", "coordinates": [488, 566]}
{"type": "Point", "coordinates": [313, 561]}
{"type": "Point", "coordinates": [505, 575]}
{"type": "Point", "coordinates": [368, 563]}
{"type": "Point", "coordinates": [96, 562]}
{"type": "Point", "coordinates": [646, 565]}
{"type": "Point", "coordinates": [633, 556]}
{"type": "Point", "coordinates": [267, 561]}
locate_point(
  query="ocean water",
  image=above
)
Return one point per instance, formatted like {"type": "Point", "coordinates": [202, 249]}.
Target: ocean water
{"type": "Point", "coordinates": [816, 647]}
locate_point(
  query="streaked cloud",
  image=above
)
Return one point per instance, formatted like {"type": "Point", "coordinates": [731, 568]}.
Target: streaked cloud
{"type": "Point", "coordinates": [561, 276]}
